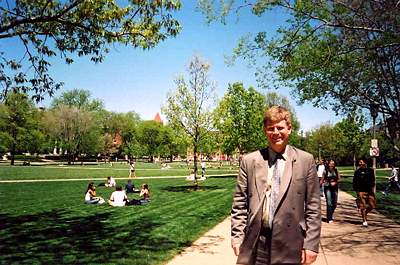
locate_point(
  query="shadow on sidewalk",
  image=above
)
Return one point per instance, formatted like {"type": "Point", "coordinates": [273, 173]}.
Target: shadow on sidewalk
{"type": "Point", "coordinates": [346, 236]}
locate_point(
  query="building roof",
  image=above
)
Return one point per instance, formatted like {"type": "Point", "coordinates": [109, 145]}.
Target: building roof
{"type": "Point", "coordinates": [157, 118]}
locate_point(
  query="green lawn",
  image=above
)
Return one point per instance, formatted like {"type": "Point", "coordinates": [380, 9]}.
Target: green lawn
{"type": "Point", "coordinates": [101, 170]}
{"type": "Point", "coordinates": [388, 206]}
{"type": "Point", "coordinates": [48, 222]}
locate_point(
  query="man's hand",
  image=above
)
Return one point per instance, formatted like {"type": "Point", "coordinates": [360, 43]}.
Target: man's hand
{"type": "Point", "coordinates": [236, 249]}
{"type": "Point", "coordinates": [308, 256]}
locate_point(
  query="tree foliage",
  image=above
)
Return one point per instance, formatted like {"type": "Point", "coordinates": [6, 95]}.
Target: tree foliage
{"type": "Point", "coordinates": [73, 123]}
{"type": "Point", "coordinates": [239, 119]}
{"type": "Point", "coordinates": [74, 130]}
{"type": "Point", "coordinates": [121, 126]}
{"type": "Point", "coordinates": [19, 126]}
{"type": "Point", "coordinates": [80, 99]}
{"type": "Point", "coordinates": [46, 29]}
{"type": "Point", "coordinates": [189, 106]}
{"type": "Point", "coordinates": [342, 55]}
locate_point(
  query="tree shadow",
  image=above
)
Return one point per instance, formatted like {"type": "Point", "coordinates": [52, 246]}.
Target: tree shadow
{"type": "Point", "coordinates": [56, 237]}
{"type": "Point", "coordinates": [223, 177]}
{"type": "Point", "coordinates": [191, 188]}
{"type": "Point", "coordinates": [347, 235]}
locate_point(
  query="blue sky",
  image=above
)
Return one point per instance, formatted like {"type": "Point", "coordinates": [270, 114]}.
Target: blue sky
{"type": "Point", "coordinates": [135, 80]}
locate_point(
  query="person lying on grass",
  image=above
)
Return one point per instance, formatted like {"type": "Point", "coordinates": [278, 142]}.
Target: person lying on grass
{"type": "Point", "coordinates": [90, 195]}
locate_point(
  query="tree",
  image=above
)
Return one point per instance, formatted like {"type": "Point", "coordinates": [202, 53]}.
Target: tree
{"type": "Point", "coordinates": [150, 138]}
{"type": "Point", "coordinates": [189, 107]}
{"type": "Point", "coordinates": [73, 122]}
{"type": "Point", "coordinates": [19, 121]}
{"type": "Point", "coordinates": [341, 55]}
{"type": "Point", "coordinates": [46, 29]}
{"type": "Point", "coordinates": [121, 126]}
{"type": "Point", "coordinates": [80, 99]}
{"type": "Point", "coordinates": [322, 141]}
{"type": "Point", "coordinates": [351, 136]}
{"type": "Point", "coordinates": [239, 118]}
{"type": "Point", "coordinates": [75, 131]}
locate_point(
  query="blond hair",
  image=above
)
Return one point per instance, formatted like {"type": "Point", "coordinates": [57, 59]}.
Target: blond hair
{"type": "Point", "coordinates": [277, 114]}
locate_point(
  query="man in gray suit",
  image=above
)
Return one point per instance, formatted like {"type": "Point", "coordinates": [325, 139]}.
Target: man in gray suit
{"type": "Point", "coordinates": [276, 216]}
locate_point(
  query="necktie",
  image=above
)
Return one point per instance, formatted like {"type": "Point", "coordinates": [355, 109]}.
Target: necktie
{"type": "Point", "coordinates": [276, 183]}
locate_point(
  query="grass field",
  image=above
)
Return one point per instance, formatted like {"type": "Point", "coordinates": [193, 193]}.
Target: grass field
{"type": "Point", "coordinates": [48, 222]}
{"type": "Point", "coordinates": [96, 171]}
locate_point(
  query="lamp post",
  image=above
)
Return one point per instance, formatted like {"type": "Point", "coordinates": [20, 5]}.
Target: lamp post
{"type": "Point", "coordinates": [374, 113]}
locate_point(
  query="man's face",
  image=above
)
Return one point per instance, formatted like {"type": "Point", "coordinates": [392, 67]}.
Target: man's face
{"type": "Point", "coordinates": [361, 163]}
{"type": "Point", "coordinates": [278, 135]}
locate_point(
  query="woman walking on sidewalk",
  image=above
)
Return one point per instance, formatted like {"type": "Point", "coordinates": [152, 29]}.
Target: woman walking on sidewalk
{"type": "Point", "coordinates": [330, 182]}
{"type": "Point", "coordinates": [363, 185]}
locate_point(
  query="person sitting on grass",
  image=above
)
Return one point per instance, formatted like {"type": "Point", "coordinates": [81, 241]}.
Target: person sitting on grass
{"type": "Point", "coordinates": [110, 182]}
{"type": "Point", "coordinates": [144, 193]}
{"type": "Point", "coordinates": [130, 187]}
{"type": "Point", "coordinates": [118, 197]}
{"type": "Point", "coordinates": [90, 195]}
{"type": "Point", "coordinates": [191, 176]}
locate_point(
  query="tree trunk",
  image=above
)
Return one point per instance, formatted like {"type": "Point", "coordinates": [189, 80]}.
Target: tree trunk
{"type": "Point", "coordinates": [14, 137]}
{"type": "Point", "coordinates": [354, 161]}
{"type": "Point", "coordinates": [69, 158]}
{"type": "Point", "coordinates": [195, 165]}
{"type": "Point", "coordinates": [12, 154]}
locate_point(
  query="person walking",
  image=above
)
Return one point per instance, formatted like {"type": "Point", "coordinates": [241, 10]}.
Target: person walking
{"type": "Point", "coordinates": [203, 168]}
{"type": "Point", "coordinates": [330, 182]}
{"type": "Point", "coordinates": [276, 217]}
{"type": "Point", "coordinates": [320, 172]}
{"type": "Point", "coordinates": [132, 169]}
{"type": "Point", "coordinates": [363, 185]}
{"type": "Point", "coordinates": [393, 181]}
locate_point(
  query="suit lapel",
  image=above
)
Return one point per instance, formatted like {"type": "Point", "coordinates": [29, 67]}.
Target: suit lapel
{"type": "Point", "coordinates": [261, 170]}
{"type": "Point", "coordinates": [287, 173]}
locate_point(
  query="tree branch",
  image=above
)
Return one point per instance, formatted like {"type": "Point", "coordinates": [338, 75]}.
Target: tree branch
{"type": "Point", "coordinates": [40, 19]}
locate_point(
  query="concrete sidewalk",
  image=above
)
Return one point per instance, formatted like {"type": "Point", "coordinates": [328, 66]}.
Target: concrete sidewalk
{"type": "Point", "coordinates": [344, 242]}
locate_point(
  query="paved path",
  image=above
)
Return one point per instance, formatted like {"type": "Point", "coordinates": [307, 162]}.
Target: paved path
{"type": "Point", "coordinates": [344, 242]}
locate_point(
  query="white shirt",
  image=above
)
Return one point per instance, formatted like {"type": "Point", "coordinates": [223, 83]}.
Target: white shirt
{"type": "Point", "coordinates": [118, 198]}
{"type": "Point", "coordinates": [321, 169]}
{"type": "Point", "coordinates": [395, 174]}
{"type": "Point", "coordinates": [280, 163]}
{"type": "Point", "coordinates": [87, 196]}
{"type": "Point", "coordinates": [112, 182]}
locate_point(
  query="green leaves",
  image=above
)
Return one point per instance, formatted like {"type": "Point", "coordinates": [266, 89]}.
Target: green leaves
{"type": "Point", "coordinates": [84, 28]}
{"type": "Point", "coordinates": [239, 119]}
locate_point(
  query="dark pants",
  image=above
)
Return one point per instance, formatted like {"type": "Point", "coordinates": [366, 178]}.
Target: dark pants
{"type": "Point", "coordinates": [394, 184]}
{"type": "Point", "coordinates": [263, 256]}
{"type": "Point", "coordinates": [331, 195]}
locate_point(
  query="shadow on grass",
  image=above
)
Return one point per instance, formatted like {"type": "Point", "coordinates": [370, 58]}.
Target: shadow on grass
{"type": "Point", "coordinates": [57, 238]}
{"type": "Point", "coordinates": [223, 177]}
{"type": "Point", "coordinates": [191, 188]}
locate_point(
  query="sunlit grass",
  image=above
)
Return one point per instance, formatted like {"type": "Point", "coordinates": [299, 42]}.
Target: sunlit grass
{"type": "Point", "coordinates": [48, 222]}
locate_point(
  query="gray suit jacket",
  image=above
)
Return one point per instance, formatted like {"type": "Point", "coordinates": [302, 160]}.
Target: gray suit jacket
{"type": "Point", "coordinates": [297, 221]}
